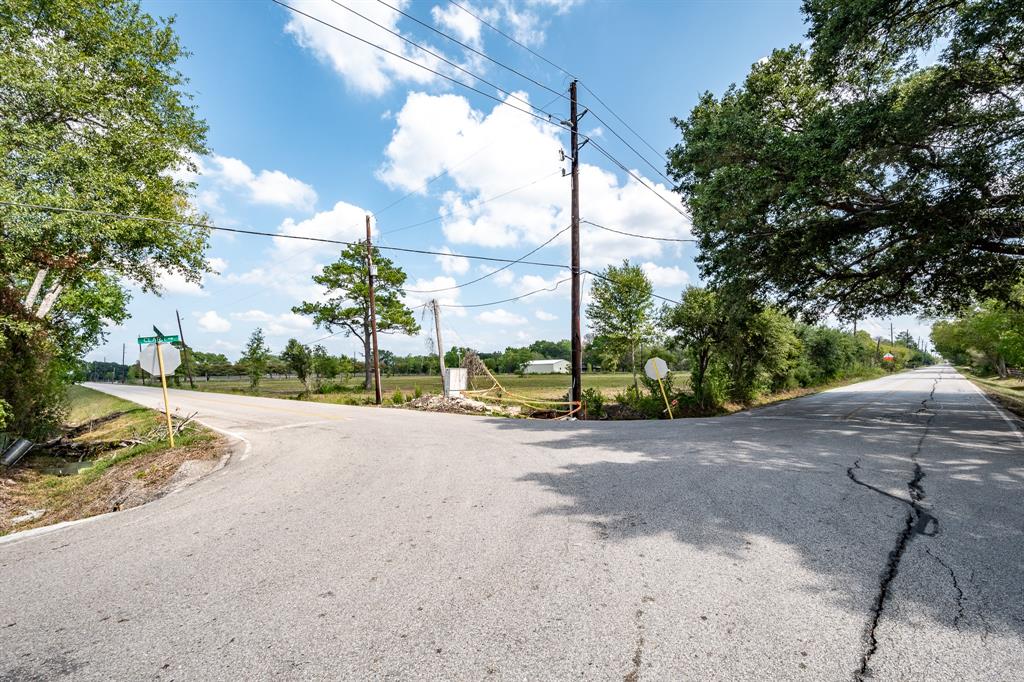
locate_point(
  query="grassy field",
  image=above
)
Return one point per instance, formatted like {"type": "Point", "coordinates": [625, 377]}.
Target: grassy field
{"type": "Point", "coordinates": [94, 469]}
{"type": "Point", "coordinates": [538, 386]}
{"type": "Point", "coordinates": [1009, 392]}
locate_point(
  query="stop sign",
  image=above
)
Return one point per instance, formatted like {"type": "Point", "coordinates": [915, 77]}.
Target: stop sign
{"type": "Point", "coordinates": [148, 360]}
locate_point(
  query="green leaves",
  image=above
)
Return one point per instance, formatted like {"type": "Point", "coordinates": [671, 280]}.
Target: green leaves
{"type": "Point", "coordinates": [256, 357]}
{"type": "Point", "coordinates": [848, 180]}
{"type": "Point", "coordinates": [623, 307]}
{"type": "Point", "coordinates": [347, 308]}
{"type": "Point", "coordinates": [95, 117]}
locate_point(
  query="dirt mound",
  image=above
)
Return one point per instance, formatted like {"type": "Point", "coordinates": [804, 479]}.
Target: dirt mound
{"type": "Point", "coordinates": [455, 405]}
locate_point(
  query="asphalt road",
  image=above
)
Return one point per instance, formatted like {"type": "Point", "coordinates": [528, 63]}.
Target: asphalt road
{"type": "Point", "coordinates": [875, 530]}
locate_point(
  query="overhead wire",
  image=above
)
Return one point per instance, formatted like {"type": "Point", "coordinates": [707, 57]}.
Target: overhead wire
{"type": "Point", "coordinates": [546, 119]}
{"type": "Point", "coordinates": [582, 84]}
{"type": "Point", "coordinates": [446, 171]}
{"type": "Point", "coordinates": [440, 57]}
{"type": "Point", "coordinates": [276, 235]}
{"type": "Point", "coordinates": [638, 236]}
{"type": "Point", "coordinates": [493, 272]}
{"type": "Point", "coordinates": [476, 51]}
{"type": "Point", "coordinates": [477, 203]}
{"type": "Point", "coordinates": [505, 300]}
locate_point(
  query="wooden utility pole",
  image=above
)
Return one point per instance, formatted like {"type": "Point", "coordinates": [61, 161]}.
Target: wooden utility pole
{"type": "Point", "coordinates": [371, 273]}
{"type": "Point", "coordinates": [440, 346]}
{"type": "Point", "coordinates": [577, 341]}
{"type": "Point", "coordinates": [163, 385]}
{"type": "Point", "coordinates": [184, 349]}
{"type": "Point", "coordinates": [124, 367]}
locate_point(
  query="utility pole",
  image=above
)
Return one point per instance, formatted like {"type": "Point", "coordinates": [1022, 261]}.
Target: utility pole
{"type": "Point", "coordinates": [371, 272]}
{"type": "Point", "coordinates": [440, 346]}
{"type": "Point", "coordinates": [891, 342]}
{"type": "Point", "coordinates": [184, 348]}
{"type": "Point", "coordinates": [124, 368]}
{"type": "Point", "coordinates": [577, 341]}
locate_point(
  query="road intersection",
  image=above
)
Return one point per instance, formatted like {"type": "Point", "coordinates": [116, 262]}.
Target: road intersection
{"type": "Point", "coordinates": [875, 530]}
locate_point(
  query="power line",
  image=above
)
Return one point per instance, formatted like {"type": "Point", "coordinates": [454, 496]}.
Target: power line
{"type": "Point", "coordinates": [639, 236]}
{"type": "Point", "coordinates": [492, 273]}
{"type": "Point", "coordinates": [545, 119]}
{"type": "Point", "coordinates": [608, 279]}
{"type": "Point", "coordinates": [569, 74]}
{"type": "Point", "coordinates": [506, 300]}
{"type": "Point", "coordinates": [443, 173]}
{"type": "Point", "coordinates": [476, 51]}
{"type": "Point", "coordinates": [479, 203]}
{"type": "Point", "coordinates": [508, 37]}
{"type": "Point", "coordinates": [441, 57]}
{"type": "Point", "coordinates": [636, 177]}
{"type": "Point", "coordinates": [629, 127]}
{"type": "Point", "coordinates": [276, 235]}
{"type": "Point", "coordinates": [631, 147]}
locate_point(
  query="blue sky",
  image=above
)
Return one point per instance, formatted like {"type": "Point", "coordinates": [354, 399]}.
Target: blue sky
{"type": "Point", "coordinates": [311, 129]}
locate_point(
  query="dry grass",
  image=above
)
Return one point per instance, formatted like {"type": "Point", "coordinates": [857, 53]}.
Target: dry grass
{"type": "Point", "coordinates": [113, 477]}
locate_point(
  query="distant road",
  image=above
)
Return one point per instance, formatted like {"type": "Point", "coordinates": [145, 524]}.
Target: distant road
{"type": "Point", "coordinates": [875, 529]}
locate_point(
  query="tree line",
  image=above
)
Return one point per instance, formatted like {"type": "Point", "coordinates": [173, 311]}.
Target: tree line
{"type": "Point", "coordinates": [989, 337]}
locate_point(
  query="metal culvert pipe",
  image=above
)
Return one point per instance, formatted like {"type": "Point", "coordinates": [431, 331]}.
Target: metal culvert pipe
{"type": "Point", "coordinates": [16, 451]}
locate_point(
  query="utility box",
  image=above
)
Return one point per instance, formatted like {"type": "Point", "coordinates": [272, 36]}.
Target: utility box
{"type": "Point", "coordinates": [456, 379]}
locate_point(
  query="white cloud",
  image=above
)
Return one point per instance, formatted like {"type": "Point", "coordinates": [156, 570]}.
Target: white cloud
{"type": "Point", "coordinates": [210, 321]}
{"type": "Point", "coordinates": [441, 133]}
{"type": "Point", "coordinates": [501, 317]}
{"type": "Point", "coordinates": [422, 291]}
{"type": "Point", "coordinates": [281, 324]}
{"type": "Point", "coordinates": [464, 26]}
{"type": "Point", "coordinates": [362, 66]}
{"type": "Point", "coordinates": [291, 263]}
{"type": "Point", "coordinates": [665, 276]}
{"type": "Point", "coordinates": [545, 316]}
{"type": "Point", "coordinates": [452, 265]}
{"type": "Point", "coordinates": [541, 287]}
{"type": "Point", "coordinates": [271, 187]}
{"type": "Point", "coordinates": [175, 283]}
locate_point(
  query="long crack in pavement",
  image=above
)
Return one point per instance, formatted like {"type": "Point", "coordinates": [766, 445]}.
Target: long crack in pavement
{"type": "Point", "coordinates": [916, 522]}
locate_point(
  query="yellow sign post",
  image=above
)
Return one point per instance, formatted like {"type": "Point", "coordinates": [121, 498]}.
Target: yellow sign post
{"type": "Point", "coordinates": [163, 385]}
{"type": "Point", "coordinates": [656, 368]}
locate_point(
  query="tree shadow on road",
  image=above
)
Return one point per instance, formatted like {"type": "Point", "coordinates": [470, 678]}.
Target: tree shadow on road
{"type": "Point", "coordinates": [714, 484]}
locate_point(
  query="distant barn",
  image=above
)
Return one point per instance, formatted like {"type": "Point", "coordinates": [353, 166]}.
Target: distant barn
{"type": "Point", "coordinates": [546, 367]}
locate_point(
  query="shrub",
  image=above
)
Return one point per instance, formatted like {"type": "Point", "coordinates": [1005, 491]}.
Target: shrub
{"type": "Point", "coordinates": [646, 406]}
{"type": "Point", "coordinates": [397, 397]}
{"type": "Point", "coordinates": [417, 392]}
{"type": "Point", "coordinates": [593, 403]}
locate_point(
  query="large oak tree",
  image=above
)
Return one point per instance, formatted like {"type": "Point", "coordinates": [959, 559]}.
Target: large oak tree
{"type": "Point", "coordinates": [867, 174]}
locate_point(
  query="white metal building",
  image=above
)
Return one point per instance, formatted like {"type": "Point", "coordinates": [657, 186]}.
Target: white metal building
{"type": "Point", "coordinates": [546, 367]}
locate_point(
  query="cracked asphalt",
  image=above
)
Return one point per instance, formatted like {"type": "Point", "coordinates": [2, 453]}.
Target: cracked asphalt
{"type": "Point", "coordinates": [874, 531]}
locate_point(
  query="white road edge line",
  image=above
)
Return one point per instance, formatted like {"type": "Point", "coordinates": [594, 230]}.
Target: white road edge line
{"type": "Point", "coordinates": [999, 409]}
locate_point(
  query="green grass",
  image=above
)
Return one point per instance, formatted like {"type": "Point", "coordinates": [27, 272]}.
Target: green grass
{"type": "Point", "coordinates": [38, 483]}
{"type": "Point", "coordinates": [538, 386]}
{"type": "Point", "coordinates": [1009, 392]}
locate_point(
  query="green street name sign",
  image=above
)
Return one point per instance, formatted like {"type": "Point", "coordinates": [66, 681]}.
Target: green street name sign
{"type": "Point", "coordinates": [159, 339]}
